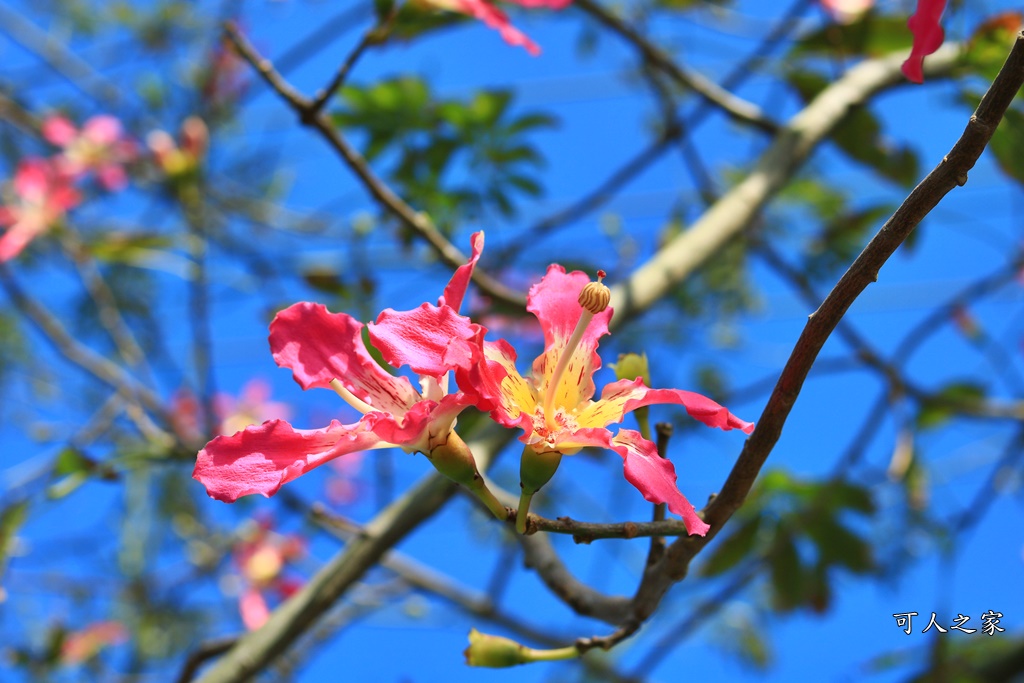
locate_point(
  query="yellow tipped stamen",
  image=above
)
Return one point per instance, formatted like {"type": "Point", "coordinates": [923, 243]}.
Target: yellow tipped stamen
{"type": "Point", "coordinates": [594, 298]}
{"type": "Point", "coordinates": [350, 398]}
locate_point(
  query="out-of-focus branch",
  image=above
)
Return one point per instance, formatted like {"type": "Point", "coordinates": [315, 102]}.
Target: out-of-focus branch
{"type": "Point", "coordinates": [736, 107]}
{"type": "Point", "coordinates": [106, 304]}
{"type": "Point", "coordinates": [739, 207]}
{"type": "Point", "coordinates": [949, 174]}
{"type": "Point", "coordinates": [56, 54]}
{"type": "Point", "coordinates": [102, 369]}
{"type": "Point", "coordinates": [418, 221]}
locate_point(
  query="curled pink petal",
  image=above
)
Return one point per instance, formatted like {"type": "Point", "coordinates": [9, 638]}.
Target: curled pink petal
{"type": "Point", "coordinates": [253, 609]}
{"type": "Point", "coordinates": [429, 339]}
{"type": "Point", "coordinates": [33, 178]}
{"type": "Point", "coordinates": [58, 130]}
{"type": "Point", "coordinates": [261, 458]}
{"type": "Point", "coordinates": [455, 291]}
{"type": "Point", "coordinates": [425, 421]}
{"type": "Point", "coordinates": [928, 36]}
{"type": "Point", "coordinates": [318, 346]}
{"type": "Point", "coordinates": [103, 130]}
{"type": "Point", "coordinates": [546, 4]}
{"type": "Point", "coordinates": [112, 177]}
{"type": "Point", "coordinates": [626, 395]}
{"type": "Point", "coordinates": [499, 21]}
{"type": "Point", "coordinates": [652, 475]}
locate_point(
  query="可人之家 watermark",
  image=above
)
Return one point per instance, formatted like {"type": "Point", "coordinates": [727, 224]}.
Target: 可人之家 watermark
{"type": "Point", "coordinates": [989, 623]}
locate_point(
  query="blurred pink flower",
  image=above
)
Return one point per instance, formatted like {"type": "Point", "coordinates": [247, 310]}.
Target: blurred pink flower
{"type": "Point", "coordinates": [100, 146]}
{"type": "Point", "coordinates": [179, 160]}
{"type": "Point", "coordinates": [928, 36]}
{"type": "Point", "coordinates": [81, 646]}
{"type": "Point", "coordinates": [342, 487]}
{"type": "Point", "coordinates": [261, 558]}
{"type": "Point", "coordinates": [233, 413]}
{"type": "Point", "coordinates": [224, 79]}
{"type": "Point", "coordinates": [251, 406]}
{"type": "Point", "coordinates": [847, 11]}
{"type": "Point", "coordinates": [42, 195]}
{"type": "Point", "coordinates": [485, 11]}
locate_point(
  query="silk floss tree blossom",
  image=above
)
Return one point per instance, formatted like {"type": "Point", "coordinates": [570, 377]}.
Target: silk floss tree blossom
{"type": "Point", "coordinates": [100, 146]}
{"type": "Point", "coordinates": [553, 406]}
{"type": "Point", "coordinates": [494, 18]}
{"type": "Point", "coordinates": [42, 194]}
{"type": "Point", "coordinates": [326, 350]}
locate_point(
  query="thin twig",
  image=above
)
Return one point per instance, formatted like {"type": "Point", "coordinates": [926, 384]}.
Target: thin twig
{"type": "Point", "coordinates": [419, 222]}
{"type": "Point", "coordinates": [736, 107]}
{"type": "Point", "coordinates": [371, 37]}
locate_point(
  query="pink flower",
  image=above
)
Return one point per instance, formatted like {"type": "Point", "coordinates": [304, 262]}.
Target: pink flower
{"type": "Point", "coordinates": [847, 11]}
{"type": "Point", "coordinates": [83, 645]}
{"type": "Point", "coordinates": [252, 406]}
{"type": "Point", "coordinates": [261, 559]}
{"type": "Point", "coordinates": [42, 195]}
{"type": "Point", "coordinates": [485, 11]}
{"type": "Point", "coordinates": [179, 161]}
{"type": "Point", "coordinates": [100, 146]}
{"type": "Point", "coordinates": [326, 350]}
{"type": "Point", "coordinates": [928, 36]}
{"type": "Point", "coordinates": [554, 406]}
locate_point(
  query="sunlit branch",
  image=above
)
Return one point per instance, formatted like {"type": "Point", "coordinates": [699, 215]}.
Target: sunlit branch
{"type": "Point", "coordinates": [736, 107]}
{"type": "Point", "coordinates": [57, 56]}
{"type": "Point", "coordinates": [418, 221]}
{"type": "Point", "coordinates": [740, 206]}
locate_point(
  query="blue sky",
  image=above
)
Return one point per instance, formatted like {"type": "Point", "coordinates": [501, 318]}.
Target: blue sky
{"type": "Point", "coordinates": [601, 123]}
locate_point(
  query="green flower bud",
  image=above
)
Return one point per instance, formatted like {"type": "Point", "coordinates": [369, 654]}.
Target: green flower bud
{"type": "Point", "coordinates": [454, 460]}
{"type": "Point", "coordinates": [535, 470]}
{"type": "Point", "coordinates": [631, 366]}
{"type": "Point", "coordinates": [497, 652]}
{"type": "Point", "coordinates": [493, 651]}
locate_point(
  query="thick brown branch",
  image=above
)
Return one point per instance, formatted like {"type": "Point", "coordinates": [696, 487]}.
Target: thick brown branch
{"type": "Point", "coordinates": [950, 173]}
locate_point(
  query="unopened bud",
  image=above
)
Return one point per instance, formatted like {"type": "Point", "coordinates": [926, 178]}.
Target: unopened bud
{"type": "Point", "coordinates": [631, 366]}
{"type": "Point", "coordinates": [454, 460]}
{"type": "Point", "coordinates": [595, 297]}
{"type": "Point", "coordinates": [496, 652]}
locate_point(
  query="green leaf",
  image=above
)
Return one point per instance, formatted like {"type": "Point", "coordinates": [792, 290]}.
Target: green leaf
{"type": "Point", "coordinates": [727, 553]}
{"type": "Point", "coordinates": [838, 545]}
{"type": "Point", "coordinates": [871, 36]}
{"type": "Point", "coordinates": [12, 518]}
{"type": "Point", "coordinates": [383, 8]}
{"type": "Point", "coordinates": [859, 135]}
{"type": "Point", "coordinates": [844, 495]}
{"type": "Point", "coordinates": [943, 404]}
{"type": "Point", "coordinates": [1007, 143]}
{"type": "Point", "coordinates": [786, 572]}
{"type": "Point", "coordinates": [991, 42]}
